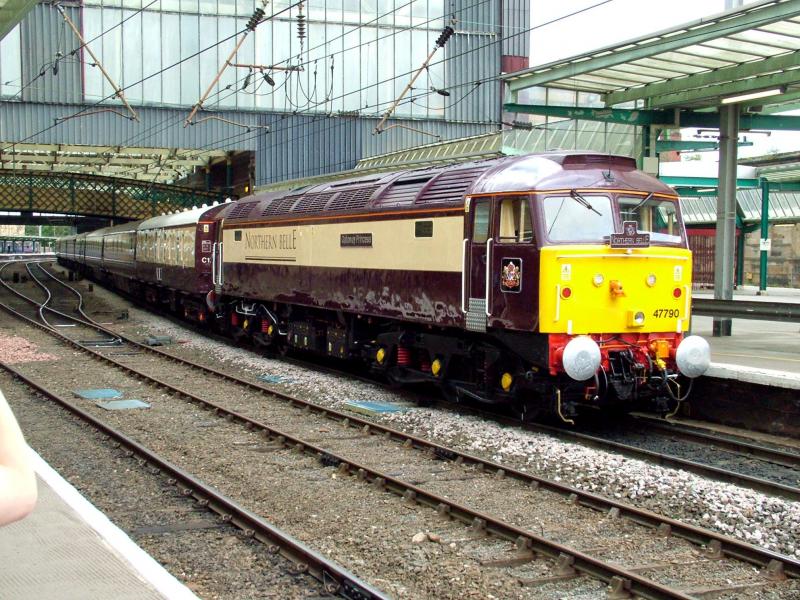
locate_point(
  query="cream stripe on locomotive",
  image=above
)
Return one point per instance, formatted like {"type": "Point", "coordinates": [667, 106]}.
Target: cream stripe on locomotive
{"type": "Point", "coordinates": [420, 244]}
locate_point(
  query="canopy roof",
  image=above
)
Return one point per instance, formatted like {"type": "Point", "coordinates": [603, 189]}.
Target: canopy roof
{"type": "Point", "coordinates": [753, 48]}
{"type": "Point", "coordinates": [149, 164]}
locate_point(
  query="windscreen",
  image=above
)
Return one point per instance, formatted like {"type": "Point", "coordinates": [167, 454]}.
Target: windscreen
{"type": "Point", "coordinates": [578, 218]}
{"type": "Point", "coordinates": [655, 216]}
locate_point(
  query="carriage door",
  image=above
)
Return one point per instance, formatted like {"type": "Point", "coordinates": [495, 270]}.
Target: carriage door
{"type": "Point", "coordinates": [216, 256]}
{"type": "Point", "coordinates": [514, 265]}
{"type": "Point", "coordinates": [477, 245]}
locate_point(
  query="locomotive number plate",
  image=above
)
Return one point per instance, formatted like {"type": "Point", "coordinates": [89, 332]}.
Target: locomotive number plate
{"type": "Point", "coordinates": [666, 313]}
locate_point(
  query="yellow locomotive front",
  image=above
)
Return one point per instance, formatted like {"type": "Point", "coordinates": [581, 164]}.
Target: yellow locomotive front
{"type": "Point", "coordinates": [615, 295]}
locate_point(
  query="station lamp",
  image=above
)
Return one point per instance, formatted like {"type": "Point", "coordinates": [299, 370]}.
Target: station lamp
{"type": "Point", "coordinates": [753, 95]}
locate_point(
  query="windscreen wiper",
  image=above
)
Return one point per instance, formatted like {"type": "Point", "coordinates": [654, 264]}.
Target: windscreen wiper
{"type": "Point", "coordinates": [640, 204]}
{"type": "Point", "coordinates": [583, 201]}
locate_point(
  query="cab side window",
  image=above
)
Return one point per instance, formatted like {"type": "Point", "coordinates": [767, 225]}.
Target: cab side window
{"type": "Point", "coordinates": [515, 221]}
{"type": "Point", "coordinates": [480, 223]}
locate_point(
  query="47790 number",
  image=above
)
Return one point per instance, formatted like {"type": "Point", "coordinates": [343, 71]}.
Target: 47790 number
{"type": "Point", "coordinates": [666, 313]}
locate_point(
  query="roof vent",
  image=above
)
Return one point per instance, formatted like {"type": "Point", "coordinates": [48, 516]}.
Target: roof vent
{"type": "Point", "coordinates": [599, 161]}
{"type": "Point", "coordinates": [279, 206]}
{"type": "Point", "coordinates": [241, 210]}
{"type": "Point", "coordinates": [352, 199]}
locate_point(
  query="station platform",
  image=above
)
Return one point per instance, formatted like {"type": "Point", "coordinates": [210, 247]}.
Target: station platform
{"type": "Point", "coordinates": [759, 352]}
{"type": "Point", "coordinates": [67, 549]}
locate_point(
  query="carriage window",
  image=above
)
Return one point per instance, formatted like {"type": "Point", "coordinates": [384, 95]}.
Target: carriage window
{"type": "Point", "coordinates": [515, 221]}
{"type": "Point", "coordinates": [654, 215]}
{"type": "Point", "coordinates": [423, 229]}
{"type": "Point", "coordinates": [578, 218]}
{"type": "Point", "coordinates": [480, 222]}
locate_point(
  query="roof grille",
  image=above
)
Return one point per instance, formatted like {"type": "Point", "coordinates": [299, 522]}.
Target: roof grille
{"type": "Point", "coordinates": [313, 202]}
{"type": "Point", "coordinates": [451, 186]}
{"type": "Point", "coordinates": [404, 192]}
{"type": "Point", "coordinates": [352, 199]}
{"type": "Point", "coordinates": [279, 206]}
{"type": "Point", "coordinates": [242, 210]}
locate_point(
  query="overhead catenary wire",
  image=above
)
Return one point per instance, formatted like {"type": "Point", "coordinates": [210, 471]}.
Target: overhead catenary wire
{"type": "Point", "coordinates": [157, 126]}
{"type": "Point", "coordinates": [390, 79]}
{"type": "Point", "coordinates": [52, 64]}
{"type": "Point", "coordinates": [493, 77]}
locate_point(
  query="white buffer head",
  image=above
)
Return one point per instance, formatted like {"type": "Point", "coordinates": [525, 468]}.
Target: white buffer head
{"type": "Point", "coordinates": [693, 356]}
{"type": "Point", "coordinates": [581, 358]}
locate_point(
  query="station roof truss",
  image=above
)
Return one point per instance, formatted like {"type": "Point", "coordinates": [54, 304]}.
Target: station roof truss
{"type": "Point", "coordinates": [696, 65]}
{"type": "Point", "coordinates": [144, 164]}
{"type": "Point", "coordinates": [784, 166]}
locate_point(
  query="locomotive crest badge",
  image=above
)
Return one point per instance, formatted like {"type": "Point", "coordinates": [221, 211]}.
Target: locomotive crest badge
{"type": "Point", "coordinates": [511, 275]}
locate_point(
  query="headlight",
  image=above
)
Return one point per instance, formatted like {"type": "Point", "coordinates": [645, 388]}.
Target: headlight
{"type": "Point", "coordinates": [651, 279]}
{"type": "Point", "coordinates": [597, 280]}
{"type": "Point", "coordinates": [581, 358]}
{"type": "Point", "coordinates": [693, 356]}
{"type": "Point", "coordinates": [638, 318]}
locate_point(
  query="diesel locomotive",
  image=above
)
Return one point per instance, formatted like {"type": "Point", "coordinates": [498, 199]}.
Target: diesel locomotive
{"type": "Point", "coordinates": [557, 281]}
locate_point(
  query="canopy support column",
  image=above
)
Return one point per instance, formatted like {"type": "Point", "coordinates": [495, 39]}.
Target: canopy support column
{"type": "Point", "coordinates": [725, 240]}
{"type": "Point", "coordinates": [762, 267]}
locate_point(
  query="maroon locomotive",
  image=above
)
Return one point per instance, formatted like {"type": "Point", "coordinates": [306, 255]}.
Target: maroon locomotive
{"type": "Point", "coordinates": [545, 281]}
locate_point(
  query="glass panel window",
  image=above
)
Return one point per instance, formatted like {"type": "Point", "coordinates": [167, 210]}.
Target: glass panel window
{"type": "Point", "coordinates": [480, 223]}
{"type": "Point", "coordinates": [10, 64]}
{"type": "Point", "coordinates": [578, 218]}
{"type": "Point", "coordinates": [655, 216]}
{"type": "Point", "coordinates": [515, 221]}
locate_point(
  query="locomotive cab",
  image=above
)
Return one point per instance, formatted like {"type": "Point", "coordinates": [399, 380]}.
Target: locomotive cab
{"type": "Point", "coordinates": [600, 274]}
{"type": "Point", "coordinates": [615, 294]}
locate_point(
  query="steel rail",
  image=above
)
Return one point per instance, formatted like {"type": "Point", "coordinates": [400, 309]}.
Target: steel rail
{"type": "Point", "coordinates": [679, 430]}
{"type": "Point", "coordinates": [719, 543]}
{"type": "Point", "coordinates": [746, 309]}
{"type": "Point", "coordinates": [759, 484]}
{"type": "Point", "coordinates": [482, 522]}
{"type": "Point", "coordinates": [306, 559]}
{"type": "Point", "coordinates": [42, 306]}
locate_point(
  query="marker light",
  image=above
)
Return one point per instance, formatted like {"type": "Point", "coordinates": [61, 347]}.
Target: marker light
{"type": "Point", "coordinates": [566, 293]}
{"type": "Point", "coordinates": [598, 279]}
{"type": "Point", "coordinates": [581, 358]}
{"type": "Point", "coordinates": [651, 279]}
{"type": "Point", "coordinates": [506, 380]}
{"type": "Point", "coordinates": [677, 292]}
{"type": "Point", "coordinates": [693, 356]}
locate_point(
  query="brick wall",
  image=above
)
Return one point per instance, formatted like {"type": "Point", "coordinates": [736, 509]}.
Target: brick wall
{"type": "Point", "coordinates": [783, 265]}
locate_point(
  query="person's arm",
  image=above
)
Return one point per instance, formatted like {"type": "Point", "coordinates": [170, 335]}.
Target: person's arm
{"type": "Point", "coordinates": [17, 479]}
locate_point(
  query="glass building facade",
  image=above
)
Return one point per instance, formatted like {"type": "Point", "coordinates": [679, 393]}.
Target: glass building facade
{"type": "Point", "coordinates": [355, 56]}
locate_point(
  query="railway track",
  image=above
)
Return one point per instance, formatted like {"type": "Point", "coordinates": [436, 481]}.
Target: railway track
{"type": "Point", "coordinates": [783, 484]}
{"type": "Point", "coordinates": [566, 558]}
{"type": "Point", "coordinates": [335, 579]}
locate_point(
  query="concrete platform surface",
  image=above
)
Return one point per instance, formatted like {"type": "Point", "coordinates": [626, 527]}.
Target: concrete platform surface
{"type": "Point", "coordinates": [67, 549]}
{"type": "Point", "coordinates": [762, 352]}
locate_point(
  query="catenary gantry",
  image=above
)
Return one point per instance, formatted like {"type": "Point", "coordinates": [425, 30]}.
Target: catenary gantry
{"type": "Point", "coordinates": [730, 71]}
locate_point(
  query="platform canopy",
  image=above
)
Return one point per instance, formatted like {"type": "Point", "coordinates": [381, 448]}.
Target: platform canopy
{"type": "Point", "coordinates": [12, 12]}
{"type": "Point", "coordinates": [755, 48]}
{"type": "Point", "coordinates": [728, 71]}
{"type": "Point", "coordinates": [148, 164]}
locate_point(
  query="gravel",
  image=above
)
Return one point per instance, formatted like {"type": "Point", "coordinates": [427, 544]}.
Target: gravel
{"type": "Point", "coordinates": [16, 350]}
